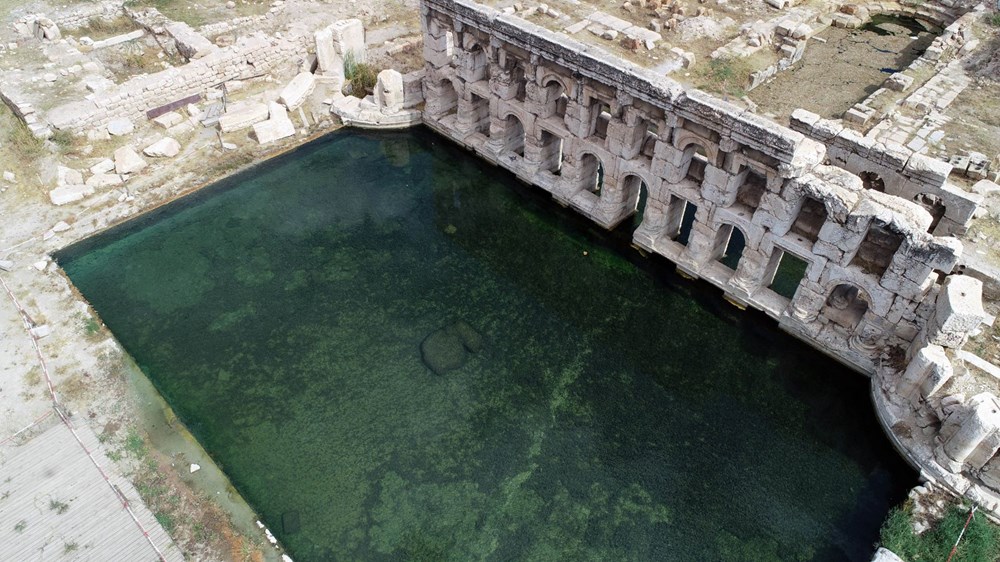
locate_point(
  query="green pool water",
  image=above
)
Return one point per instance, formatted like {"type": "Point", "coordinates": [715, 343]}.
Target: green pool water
{"type": "Point", "coordinates": [585, 404]}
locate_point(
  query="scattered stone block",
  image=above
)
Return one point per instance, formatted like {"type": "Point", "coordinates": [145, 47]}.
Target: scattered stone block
{"type": "Point", "coordinates": [98, 181]}
{"type": "Point", "coordinates": [959, 311]}
{"type": "Point", "coordinates": [103, 167]}
{"type": "Point", "coordinates": [127, 161]}
{"type": "Point", "coordinates": [94, 135]}
{"type": "Point", "coordinates": [120, 127]}
{"type": "Point", "coordinates": [168, 119]}
{"type": "Point", "coordinates": [6, 265]}
{"type": "Point", "coordinates": [163, 148]}
{"type": "Point", "coordinates": [67, 176]}
{"type": "Point", "coordinates": [242, 116]}
{"type": "Point", "coordinates": [9, 176]}
{"type": "Point", "coordinates": [46, 29]}
{"type": "Point", "coordinates": [190, 44]}
{"type": "Point", "coordinates": [119, 39]}
{"type": "Point", "coordinates": [298, 90]}
{"type": "Point", "coordinates": [98, 84]}
{"type": "Point", "coordinates": [69, 194]}
{"type": "Point", "coordinates": [277, 127]}
{"type": "Point", "coordinates": [180, 129]}
{"type": "Point", "coordinates": [39, 332]}
{"type": "Point", "coordinates": [898, 82]}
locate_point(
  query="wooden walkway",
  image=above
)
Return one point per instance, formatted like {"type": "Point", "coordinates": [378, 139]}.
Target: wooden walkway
{"type": "Point", "coordinates": [55, 504]}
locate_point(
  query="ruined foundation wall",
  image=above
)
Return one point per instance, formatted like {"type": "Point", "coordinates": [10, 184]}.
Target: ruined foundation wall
{"type": "Point", "coordinates": [602, 135]}
{"type": "Point", "coordinates": [250, 56]}
{"type": "Point", "coordinates": [901, 171]}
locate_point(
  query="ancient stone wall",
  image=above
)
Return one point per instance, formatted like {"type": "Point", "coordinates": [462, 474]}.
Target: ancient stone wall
{"type": "Point", "coordinates": [250, 56]}
{"type": "Point", "coordinates": [80, 16]}
{"type": "Point", "coordinates": [728, 196]}
{"type": "Point", "coordinates": [894, 169]}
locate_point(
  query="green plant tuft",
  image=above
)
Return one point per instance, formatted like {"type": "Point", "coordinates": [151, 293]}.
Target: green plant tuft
{"type": "Point", "coordinates": [58, 506]}
{"type": "Point", "coordinates": [980, 542]}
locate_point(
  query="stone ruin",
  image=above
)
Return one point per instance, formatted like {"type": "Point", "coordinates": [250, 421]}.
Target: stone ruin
{"type": "Point", "coordinates": [872, 223]}
{"type": "Point", "coordinates": [728, 196]}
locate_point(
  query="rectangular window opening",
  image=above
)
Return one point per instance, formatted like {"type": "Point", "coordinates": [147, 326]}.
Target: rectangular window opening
{"type": "Point", "coordinates": [876, 250]}
{"type": "Point", "coordinates": [788, 270]}
{"type": "Point", "coordinates": [752, 190]}
{"type": "Point", "coordinates": [810, 220]}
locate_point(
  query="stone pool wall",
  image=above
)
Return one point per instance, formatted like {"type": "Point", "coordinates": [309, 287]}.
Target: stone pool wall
{"type": "Point", "coordinates": [619, 143]}
{"type": "Point", "coordinates": [601, 134]}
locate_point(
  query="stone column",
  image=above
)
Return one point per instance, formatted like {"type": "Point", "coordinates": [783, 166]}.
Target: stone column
{"type": "Point", "coordinates": [867, 336]}
{"type": "Point", "coordinates": [926, 373]}
{"type": "Point", "coordinates": [331, 64]}
{"type": "Point", "coordinates": [438, 44]}
{"type": "Point", "coordinates": [958, 312]}
{"type": "Point", "coordinates": [980, 422]}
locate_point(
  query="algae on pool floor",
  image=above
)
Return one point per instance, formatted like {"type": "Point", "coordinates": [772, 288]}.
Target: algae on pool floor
{"type": "Point", "coordinates": [584, 406]}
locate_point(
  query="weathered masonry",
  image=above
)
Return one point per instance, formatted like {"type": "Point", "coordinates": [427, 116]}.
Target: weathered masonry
{"type": "Point", "coordinates": [728, 196]}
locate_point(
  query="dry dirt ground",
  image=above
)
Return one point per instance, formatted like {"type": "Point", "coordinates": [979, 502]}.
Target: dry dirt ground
{"type": "Point", "coordinates": [835, 74]}
{"type": "Point", "coordinates": [93, 378]}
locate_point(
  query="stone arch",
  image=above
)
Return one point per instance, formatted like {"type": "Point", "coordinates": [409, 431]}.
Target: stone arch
{"type": "Point", "coordinates": [445, 98]}
{"type": "Point", "coordinates": [635, 192]}
{"type": "Point", "coordinates": [591, 172]}
{"type": "Point", "coordinates": [683, 139]}
{"type": "Point", "coordinates": [696, 158]}
{"type": "Point", "coordinates": [556, 96]}
{"type": "Point", "coordinates": [873, 181]}
{"type": "Point", "coordinates": [846, 304]}
{"type": "Point", "coordinates": [730, 241]}
{"type": "Point", "coordinates": [513, 137]}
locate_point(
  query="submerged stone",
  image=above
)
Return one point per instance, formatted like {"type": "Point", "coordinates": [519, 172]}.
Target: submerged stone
{"type": "Point", "coordinates": [446, 349]}
{"type": "Point", "coordinates": [443, 351]}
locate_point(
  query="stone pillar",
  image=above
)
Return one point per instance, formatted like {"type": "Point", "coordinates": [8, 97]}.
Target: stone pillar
{"type": "Point", "coordinates": [330, 63]}
{"type": "Point", "coordinates": [349, 38]}
{"type": "Point", "coordinates": [807, 303]}
{"type": "Point", "coordinates": [471, 65]}
{"type": "Point", "coordinates": [701, 240]}
{"type": "Point", "coordinates": [980, 421]}
{"type": "Point", "coordinates": [668, 163]}
{"type": "Point", "coordinates": [867, 336]}
{"type": "Point", "coordinates": [926, 373]}
{"type": "Point", "coordinates": [438, 44]}
{"type": "Point", "coordinates": [577, 119]}
{"type": "Point", "coordinates": [749, 271]}
{"type": "Point", "coordinates": [717, 186]}
{"type": "Point", "coordinates": [472, 117]}
{"type": "Point", "coordinates": [957, 313]}
{"type": "Point", "coordinates": [389, 92]}
{"type": "Point", "coordinates": [533, 151]}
